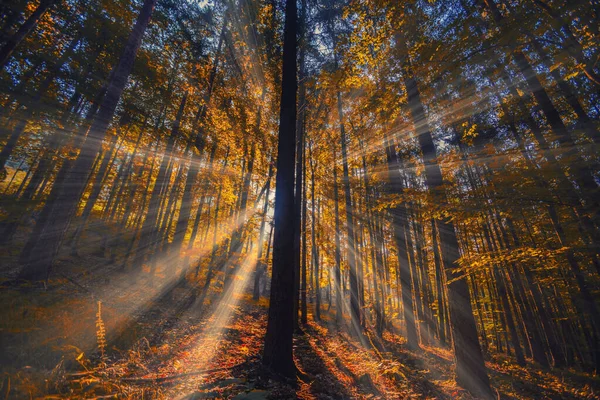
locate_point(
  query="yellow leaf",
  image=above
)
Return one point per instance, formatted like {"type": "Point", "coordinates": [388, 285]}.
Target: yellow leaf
{"type": "Point", "coordinates": [571, 75]}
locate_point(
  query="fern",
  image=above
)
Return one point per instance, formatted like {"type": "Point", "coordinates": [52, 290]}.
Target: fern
{"type": "Point", "coordinates": [100, 332]}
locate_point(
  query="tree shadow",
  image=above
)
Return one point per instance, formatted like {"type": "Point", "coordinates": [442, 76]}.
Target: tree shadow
{"type": "Point", "coordinates": [154, 319]}
{"type": "Point", "coordinates": [416, 370]}
{"type": "Point", "coordinates": [323, 381]}
{"type": "Point", "coordinates": [179, 299]}
{"type": "Point", "coordinates": [517, 383]}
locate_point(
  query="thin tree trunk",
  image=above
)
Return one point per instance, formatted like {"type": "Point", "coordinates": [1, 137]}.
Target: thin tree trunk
{"type": "Point", "coordinates": [439, 285]}
{"type": "Point", "coordinates": [355, 314]}
{"type": "Point", "coordinates": [260, 264]}
{"type": "Point", "coordinates": [339, 304]}
{"type": "Point", "coordinates": [97, 185]}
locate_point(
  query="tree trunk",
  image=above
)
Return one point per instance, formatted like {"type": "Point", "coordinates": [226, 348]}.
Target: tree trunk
{"type": "Point", "coordinates": [355, 314]}
{"type": "Point", "coordinates": [96, 188]}
{"type": "Point", "coordinates": [277, 354]}
{"type": "Point", "coordinates": [439, 285]}
{"type": "Point", "coordinates": [303, 288]}
{"type": "Point", "coordinates": [260, 264]}
{"type": "Point", "coordinates": [339, 301]}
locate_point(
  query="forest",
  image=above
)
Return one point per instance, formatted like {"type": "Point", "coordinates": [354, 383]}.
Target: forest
{"type": "Point", "coordinates": [299, 199]}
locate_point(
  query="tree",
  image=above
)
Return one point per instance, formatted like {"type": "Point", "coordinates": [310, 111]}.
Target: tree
{"type": "Point", "coordinates": [277, 355]}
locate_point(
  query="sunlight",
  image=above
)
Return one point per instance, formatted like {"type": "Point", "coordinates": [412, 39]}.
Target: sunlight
{"type": "Point", "coordinates": [226, 304]}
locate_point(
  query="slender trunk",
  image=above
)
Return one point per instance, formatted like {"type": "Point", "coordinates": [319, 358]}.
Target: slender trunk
{"type": "Point", "coordinates": [313, 238]}
{"type": "Point", "coordinates": [315, 255]}
{"type": "Point", "coordinates": [96, 188]}
{"type": "Point", "coordinates": [13, 176]}
{"type": "Point", "coordinates": [260, 264]}
{"type": "Point", "coordinates": [207, 182]}
{"type": "Point", "coordinates": [439, 284]}
{"type": "Point", "coordinates": [303, 288]}
{"type": "Point", "coordinates": [416, 288]}
{"type": "Point", "coordinates": [375, 254]}
{"type": "Point", "coordinates": [339, 305]}
{"type": "Point", "coordinates": [19, 190]}
{"type": "Point", "coordinates": [125, 177]}
{"type": "Point", "coordinates": [355, 314]}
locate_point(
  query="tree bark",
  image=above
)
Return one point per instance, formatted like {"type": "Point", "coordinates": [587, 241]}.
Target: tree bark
{"type": "Point", "coordinates": [277, 354]}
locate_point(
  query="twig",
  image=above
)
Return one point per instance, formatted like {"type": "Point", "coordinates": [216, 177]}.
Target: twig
{"type": "Point", "coordinates": [74, 282]}
{"type": "Point", "coordinates": [78, 374]}
{"type": "Point", "coordinates": [6, 387]}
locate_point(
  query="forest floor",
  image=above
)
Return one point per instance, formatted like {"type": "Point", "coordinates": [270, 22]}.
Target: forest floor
{"type": "Point", "coordinates": [153, 340]}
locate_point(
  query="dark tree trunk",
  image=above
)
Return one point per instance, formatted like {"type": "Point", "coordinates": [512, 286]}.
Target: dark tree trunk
{"type": "Point", "coordinates": [277, 355]}
{"type": "Point", "coordinates": [304, 283]}
{"type": "Point", "coordinates": [339, 300]}
{"type": "Point", "coordinates": [439, 285]}
{"type": "Point", "coordinates": [299, 195]}
{"type": "Point", "coordinates": [317, 276]}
